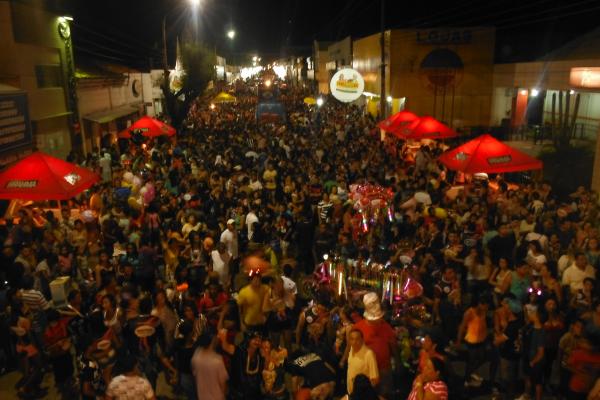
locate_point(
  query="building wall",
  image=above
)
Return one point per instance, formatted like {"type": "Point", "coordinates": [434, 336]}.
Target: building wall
{"type": "Point", "coordinates": [340, 53]}
{"type": "Point", "coordinates": [405, 51]}
{"type": "Point", "coordinates": [513, 80]}
{"type": "Point", "coordinates": [29, 38]}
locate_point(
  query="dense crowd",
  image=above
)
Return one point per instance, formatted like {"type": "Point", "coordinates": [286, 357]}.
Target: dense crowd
{"type": "Point", "coordinates": [194, 260]}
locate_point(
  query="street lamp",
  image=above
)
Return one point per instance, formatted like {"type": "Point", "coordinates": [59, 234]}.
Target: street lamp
{"type": "Point", "coordinates": [231, 34]}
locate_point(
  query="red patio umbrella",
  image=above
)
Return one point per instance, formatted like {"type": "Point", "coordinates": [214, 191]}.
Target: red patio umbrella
{"type": "Point", "coordinates": [149, 127]}
{"type": "Point", "coordinates": [426, 128]}
{"type": "Point", "coordinates": [42, 177]}
{"type": "Point", "coordinates": [394, 123]}
{"type": "Point", "coordinates": [486, 154]}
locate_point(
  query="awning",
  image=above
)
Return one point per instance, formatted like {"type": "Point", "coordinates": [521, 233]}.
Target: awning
{"type": "Point", "coordinates": [103, 117]}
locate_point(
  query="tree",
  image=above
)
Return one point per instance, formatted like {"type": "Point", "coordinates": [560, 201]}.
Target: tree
{"type": "Point", "coordinates": [198, 63]}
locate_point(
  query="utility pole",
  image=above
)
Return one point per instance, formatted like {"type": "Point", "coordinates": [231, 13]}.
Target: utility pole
{"type": "Point", "coordinates": [382, 96]}
{"type": "Point", "coordinates": [164, 42]}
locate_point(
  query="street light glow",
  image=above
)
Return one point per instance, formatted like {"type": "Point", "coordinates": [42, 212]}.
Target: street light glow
{"type": "Point", "coordinates": [389, 99]}
{"type": "Point", "coordinates": [320, 101]}
{"type": "Point", "coordinates": [255, 58]}
{"type": "Point", "coordinates": [534, 92]}
{"type": "Point", "coordinates": [231, 34]}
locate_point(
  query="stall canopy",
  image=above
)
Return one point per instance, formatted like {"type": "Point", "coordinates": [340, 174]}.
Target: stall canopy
{"type": "Point", "coordinates": [486, 154]}
{"type": "Point", "coordinates": [425, 128]}
{"type": "Point", "coordinates": [149, 127]}
{"type": "Point", "coordinates": [270, 112]}
{"type": "Point", "coordinates": [224, 98]}
{"type": "Point", "coordinates": [42, 177]}
{"type": "Point", "coordinates": [394, 123]}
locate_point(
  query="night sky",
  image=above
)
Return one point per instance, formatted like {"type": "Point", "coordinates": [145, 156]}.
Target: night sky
{"type": "Point", "coordinates": [129, 31]}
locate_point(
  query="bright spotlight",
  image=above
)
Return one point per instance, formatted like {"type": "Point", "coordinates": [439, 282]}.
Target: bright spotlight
{"type": "Point", "coordinates": [524, 92]}
{"type": "Point", "coordinates": [231, 34]}
{"type": "Point", "coordinates": [389, 99]}
{"type": "Point", "coordinates": [212, 106]}
{"type": "Point", "coordinates": [534, 92]}
{"type": "Point", "coordinates": [571, 92]}
{"type": "Point", "coordinates": [268, 83]}
{"type": "Point", "coordinates": [255, 58]}
{"type": "Point", "coordinates": [320, 101]}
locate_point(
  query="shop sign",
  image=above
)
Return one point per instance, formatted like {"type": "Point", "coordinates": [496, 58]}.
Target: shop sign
{"type": "Point", "coordinates": [585, 77]}
{"type": "Point", "coordinates": [445, 36]}
{"type": "Point", "coordinates": [499, 160]}
{"type": "Point", "coordinates": [15, 126]}
{"type": "Point", "coordinates": [347, 85]}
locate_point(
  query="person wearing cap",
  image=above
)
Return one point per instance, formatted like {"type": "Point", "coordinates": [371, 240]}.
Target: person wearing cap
{"type": "Point", "coordinates": [379, 336]}
{"type": "Point", "coordinates": [230, 237]}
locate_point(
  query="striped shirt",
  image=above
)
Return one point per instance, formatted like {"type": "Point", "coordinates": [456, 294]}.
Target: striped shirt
{"type": "Point", "coordinates": [438, 388]}
{"type": "Point", "coordinates": [34, 300]}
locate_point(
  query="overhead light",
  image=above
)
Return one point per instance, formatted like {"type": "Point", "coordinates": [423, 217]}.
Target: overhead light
{"type": "Point", "coordinates": [320, 101]}
{"type": "Point", "coordinates": [523, 92]}
{"type": "Point", "coordinates": [268, 83]}
{"type": "Point", "coordinates": [571, 92]}
{"type": "Point", "coordinates": [389, 99]}
{"type": "Point", "coordinates": [255, 58]}
{"type": "Point", "coordinates": [534, 92]}
{"type": "Point", "coordinates": [212, 106]}
{"type": "Point", "coordinates": [231, 34]}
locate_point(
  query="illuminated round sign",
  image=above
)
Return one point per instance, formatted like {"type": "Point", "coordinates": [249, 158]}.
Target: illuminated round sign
{"type": "Point", "coordinates": [347, 85]}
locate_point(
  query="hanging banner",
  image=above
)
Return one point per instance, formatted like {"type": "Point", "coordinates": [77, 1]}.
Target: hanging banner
{"type": "Point", "coordinates": [347, 85]}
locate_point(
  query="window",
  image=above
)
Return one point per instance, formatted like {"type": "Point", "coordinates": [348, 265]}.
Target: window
{"type": "Point", "coordinates": [48, 76]}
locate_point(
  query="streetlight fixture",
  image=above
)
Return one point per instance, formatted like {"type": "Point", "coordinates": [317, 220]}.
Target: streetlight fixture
{"type": "Point", "coordinates": [231, 34]}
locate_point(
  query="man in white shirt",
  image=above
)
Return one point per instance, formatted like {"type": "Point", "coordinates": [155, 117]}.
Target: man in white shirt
{"type": "Point", "coordinates": [251, 218]}
{"type": "Point", "coordinates": [220, 263]}
{"type": "Point", "coordinates": [361, 360]}
{"type": "Point", "coordinates": [289, 287]}
{"type": "Point", "coordinates": [229, 237]}
{"type": "Point", "coordinates": [577, 272]}
{"type": "Point", "coordinates": [209, 371]}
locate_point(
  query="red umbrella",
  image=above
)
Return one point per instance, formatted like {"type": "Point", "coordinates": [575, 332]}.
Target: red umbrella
{"type": "Point", "coordinates": [394, 123]}
{"type": "Point", "coordinates": [149, 127]}
{"type": "Point", "coordinates": [486, 154]}
{"type": "Point", "coordinates": [426, 128]}
{"type": "Point", "coordinates": [42, 177]}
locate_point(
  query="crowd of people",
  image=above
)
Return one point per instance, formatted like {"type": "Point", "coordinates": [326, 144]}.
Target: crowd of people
{"type": "Point", "coordinates": [193, 264]}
